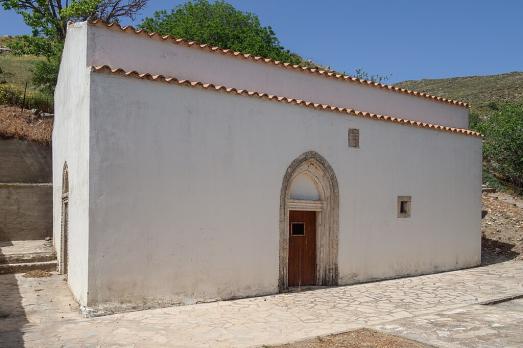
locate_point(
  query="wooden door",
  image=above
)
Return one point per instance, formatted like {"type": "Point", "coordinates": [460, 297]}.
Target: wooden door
{"type": "Point", "coordinates": [302, 248]}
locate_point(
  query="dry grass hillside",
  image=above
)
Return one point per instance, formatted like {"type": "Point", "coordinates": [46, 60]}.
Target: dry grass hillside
{"type": "Point", "coordinates": [17, 70]}
{"type": "Point", "coordinates": [479, 91]}
{"type": "Point", "coordinates": [16, 73]}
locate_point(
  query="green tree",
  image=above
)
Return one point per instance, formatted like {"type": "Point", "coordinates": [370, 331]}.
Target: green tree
{"type": "Point", "coordinates": [503, 143]}
{"type": "Point", "coordinates": [48, 21]}
{"type": "Point", "coordinates": [45, 72]}
{"type": "Point", "coordinates": [220, 24]}
{"type": "Point", "coordinates": [48, 18]}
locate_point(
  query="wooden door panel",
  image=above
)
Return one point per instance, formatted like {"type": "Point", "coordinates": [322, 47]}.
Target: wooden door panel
{"type": "Point", "coordinates": [302, 248]}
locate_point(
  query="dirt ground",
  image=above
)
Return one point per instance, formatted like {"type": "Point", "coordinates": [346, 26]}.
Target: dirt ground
{"type": "Point", "coordinates": [15, 123]}
{"type": "Point", "coordinates": [362, 338]}
{"type": "Point", "coordinates": [502, 228]}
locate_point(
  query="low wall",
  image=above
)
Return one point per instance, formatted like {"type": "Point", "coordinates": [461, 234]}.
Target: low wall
{"type": "Point", "coordinates": [26, 211]}
{"type": "Point", "coordinates": [25, 162]}
{"type": "Point", "coordinates": [26, 200]}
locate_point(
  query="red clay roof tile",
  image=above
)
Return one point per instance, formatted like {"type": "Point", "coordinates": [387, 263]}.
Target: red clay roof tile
{"type": "Point", "coordinates": [325, 73]}
{"type": "Point", "coordinates": [231, 90]}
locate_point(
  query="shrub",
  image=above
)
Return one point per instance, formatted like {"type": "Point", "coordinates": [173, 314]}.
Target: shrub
{"type": "Point", "coordinates": [10, 95]}
{"type": "Point", "coordinates": [503, 143]}
{"type": "Point", "coordinates": [45, 74]}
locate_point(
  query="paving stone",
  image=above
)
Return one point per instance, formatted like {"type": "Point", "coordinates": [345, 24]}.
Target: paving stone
{"type": "Point", "coordinates": [50, 317]}
{"type": "Point", "coordinates": [470, 326]}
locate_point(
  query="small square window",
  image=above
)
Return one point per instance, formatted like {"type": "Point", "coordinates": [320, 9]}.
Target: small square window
{"type": "Point", "coordinates": [297, 229]}
{"type": "Point", "coordinates": [354, 137]}
{"type": "Point", "coordinates": [404, 206]}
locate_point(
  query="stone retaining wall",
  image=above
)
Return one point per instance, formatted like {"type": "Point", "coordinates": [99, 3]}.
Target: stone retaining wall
{"type": "Point", "coordinates": [26, 200]}
{"type": "Point", "coordinates": [25, 162]}
{"type": "Point", "coordinates": [26, 211]}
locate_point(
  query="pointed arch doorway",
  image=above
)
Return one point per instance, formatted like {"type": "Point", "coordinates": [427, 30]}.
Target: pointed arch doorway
{"type": "Point", "coordinates": [309, 209]}
{"type": "Point", "coordinates": [64, 250]}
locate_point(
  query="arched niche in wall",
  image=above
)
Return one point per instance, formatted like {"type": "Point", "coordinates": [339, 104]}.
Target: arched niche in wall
{"type": "Point", "coordinates": [304, 187]}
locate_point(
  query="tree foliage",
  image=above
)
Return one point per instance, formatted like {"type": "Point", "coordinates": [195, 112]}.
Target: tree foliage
{"type": "Point", "coordinates": [503, 142]}
{"type": "Point", "coordinates": [220, 24]}
{"type": "Point", "coordinates": [48, 21]}
{"type": "Point", "coordinates": [33, 45]}
{"type": "Point", "coordinates": [45, 74]}
{"type": "Point", "coordinates": [48, 18]}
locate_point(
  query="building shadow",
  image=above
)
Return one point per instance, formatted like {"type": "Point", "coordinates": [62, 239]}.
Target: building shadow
{"type": "Point", "coordinates": [13, 317]}
{"type": "Point", "coordinates": [493, 251]}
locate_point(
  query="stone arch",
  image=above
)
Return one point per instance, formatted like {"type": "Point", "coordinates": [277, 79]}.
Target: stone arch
{"type": "Point", "coordinates": [64, 234]}
{"type": "Point", "coordinates": [65, 179]}
{"type": "Point", "coordinates": [314, 165]}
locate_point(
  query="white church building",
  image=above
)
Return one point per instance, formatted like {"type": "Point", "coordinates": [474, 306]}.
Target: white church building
{"type": "Point", "coordinates": [186, 173]}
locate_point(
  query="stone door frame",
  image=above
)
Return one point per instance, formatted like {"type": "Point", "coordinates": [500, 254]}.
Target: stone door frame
{"type": "Point", "coordinates": [327, 217]}
{"type": "Point", "coordinates": [64, 250]}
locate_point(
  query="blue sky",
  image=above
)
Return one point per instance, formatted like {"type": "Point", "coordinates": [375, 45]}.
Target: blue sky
{"type": "Point", "coordinates": [407, 39]}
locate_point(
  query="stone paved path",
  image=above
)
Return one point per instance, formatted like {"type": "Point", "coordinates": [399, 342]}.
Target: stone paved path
{"type": "Point", "coordinates": [248, 322]}
{"type": "Point", "coordinates": [479, 326]}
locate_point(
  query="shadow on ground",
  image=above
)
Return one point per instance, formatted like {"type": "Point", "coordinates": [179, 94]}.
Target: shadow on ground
{"type": "Point", "coordinates": [12, 314]}
{"type": "Point", "coordinates": [493, 251]}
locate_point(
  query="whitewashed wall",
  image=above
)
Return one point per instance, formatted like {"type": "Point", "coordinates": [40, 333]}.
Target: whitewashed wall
{"type": "Point", "coordinates": [71, 144]}
{"type": "Point", "coordinates": [185, 191]}
{"type": "Point", "coordinates": [134, 52]}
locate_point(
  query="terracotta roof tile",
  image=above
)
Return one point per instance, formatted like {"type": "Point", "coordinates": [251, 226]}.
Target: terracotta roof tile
{"type": "Point", "coordinates": [243, 92]}
{"type": "Point", "coordinates": [325, 73]}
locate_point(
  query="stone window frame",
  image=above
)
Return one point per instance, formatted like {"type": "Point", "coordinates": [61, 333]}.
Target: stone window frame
{"type": "Point", "coordinates": [408, 205]}
{"type": "Point", "coordinates": [353, 138]}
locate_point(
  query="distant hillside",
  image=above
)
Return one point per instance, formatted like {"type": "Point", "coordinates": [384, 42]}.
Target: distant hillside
{"type": "Point", "coordinates": [4, 39]}
{"type": "Point", "coordinates": [17, 70]}
{"type": "Point", "coordinates": [476, 90]}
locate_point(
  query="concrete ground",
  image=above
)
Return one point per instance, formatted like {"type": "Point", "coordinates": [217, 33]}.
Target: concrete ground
{"type": "Point", "coordinates": [485, 326]}
{"type": "Point", "coordinates": [441, 309]}
{"type": "Point", "coordinates": [24, 256]}
{"type": "Point", "coordinates": [25, 247]}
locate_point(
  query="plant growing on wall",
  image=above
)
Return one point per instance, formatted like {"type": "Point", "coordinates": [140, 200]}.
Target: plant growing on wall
{"type": "Point", "coordinates": [362, 74]}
